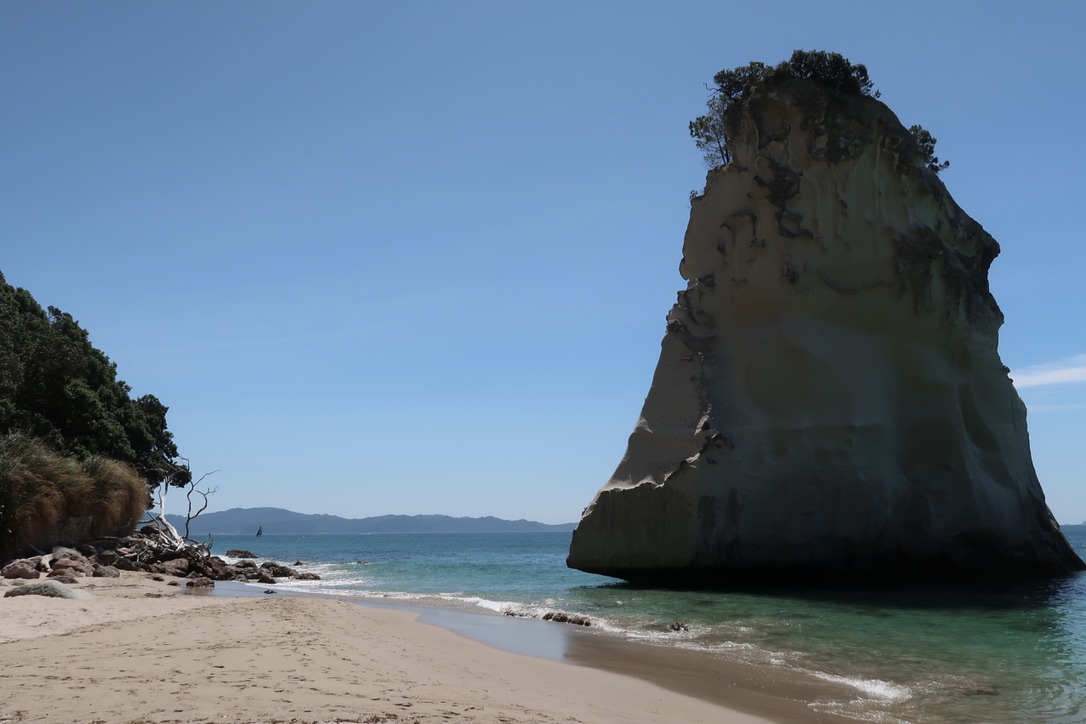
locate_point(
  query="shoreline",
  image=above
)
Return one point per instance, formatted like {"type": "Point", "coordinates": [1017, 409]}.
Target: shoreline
{"type": "Point", "coordinates": [141, 652]}
{"type": "Point", "coordinates": [778, 695]}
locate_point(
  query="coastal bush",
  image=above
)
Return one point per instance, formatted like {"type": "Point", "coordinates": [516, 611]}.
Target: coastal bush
{"type": "Point", "coordinates": [117, 497]}
{"type": "Point", "coordinates": [47, 498]}
{"type": "Point", "coordinates": [55, 386]}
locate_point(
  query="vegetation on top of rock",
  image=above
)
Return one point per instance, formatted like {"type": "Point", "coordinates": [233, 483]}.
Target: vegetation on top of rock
{"type": "Point", "coordinates": [711, 131]}
{"type": "Point", "coordinates": [925, 149]}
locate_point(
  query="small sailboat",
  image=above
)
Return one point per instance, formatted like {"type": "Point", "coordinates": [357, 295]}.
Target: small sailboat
{"type": "Point", "coordinates": [259, 531]}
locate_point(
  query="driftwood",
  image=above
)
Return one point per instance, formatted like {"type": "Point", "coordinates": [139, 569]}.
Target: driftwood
{"type": "Point", "coordinates": [173, 539]}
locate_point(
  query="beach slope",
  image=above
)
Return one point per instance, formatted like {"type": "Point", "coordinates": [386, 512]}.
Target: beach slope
{"type": "Point", "coordinates": [141, 652]}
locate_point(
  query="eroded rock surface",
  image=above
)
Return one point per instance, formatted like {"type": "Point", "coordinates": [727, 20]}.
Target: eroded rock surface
{"type": "Point", "coordinates": [829, 399]}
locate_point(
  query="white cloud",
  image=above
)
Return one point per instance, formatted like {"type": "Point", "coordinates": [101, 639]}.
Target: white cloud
{"type": "Point", "coordinates": [1068, 371]}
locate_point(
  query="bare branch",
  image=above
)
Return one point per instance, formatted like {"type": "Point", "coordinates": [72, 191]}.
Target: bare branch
{"type": "Point", "coordinates": [201, 503]}
{"type": "Point", "coordinates": [190, 516]}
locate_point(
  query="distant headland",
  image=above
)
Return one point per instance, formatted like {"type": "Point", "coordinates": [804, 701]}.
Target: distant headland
{"type": "Point", "coordinates": [278, 521]}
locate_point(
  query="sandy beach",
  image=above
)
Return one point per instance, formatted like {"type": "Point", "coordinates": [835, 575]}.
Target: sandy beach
{"type": "Point", "coordinates": [142, 651]}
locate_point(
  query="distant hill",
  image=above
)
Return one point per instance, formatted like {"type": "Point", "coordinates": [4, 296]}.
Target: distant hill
{"type": "Point", "coordinates": [277, 521]}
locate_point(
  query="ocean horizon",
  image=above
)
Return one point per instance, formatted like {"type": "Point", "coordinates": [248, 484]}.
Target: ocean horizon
{"type": "Point", "coordinates": [1014, 653]}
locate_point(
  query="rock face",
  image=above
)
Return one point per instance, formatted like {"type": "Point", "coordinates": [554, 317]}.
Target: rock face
{"type": "Point", "coordinates": [829, 400]}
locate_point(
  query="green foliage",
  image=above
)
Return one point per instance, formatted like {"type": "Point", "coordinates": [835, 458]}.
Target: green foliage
{"type": "Point", "coordinates": [47, 498]}
{"type": "Point", "coordinates": [55, 386]}
{"type": "Point", "coordinates": [710, 133]}
{"type": "Point", "coordinates": [733, 86]}
{"type": "Point", "coordinates": [925, 149]}
{"type": "Point", "coordinates": [832, 70]}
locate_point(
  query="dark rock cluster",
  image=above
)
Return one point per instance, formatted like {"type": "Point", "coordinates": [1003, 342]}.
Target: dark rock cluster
{"type": "Point", "coordinates": [64, 565]}
{"type": "Point", "coordinates": [563, 617]}
{"type": "Point", "coordinates": [556, 616]}
{"type": "Point", "coordinates": [149, 550]}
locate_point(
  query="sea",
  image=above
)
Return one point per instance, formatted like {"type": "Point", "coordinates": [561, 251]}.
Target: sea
{"type": "Point", "coordinates": [1006, 654]}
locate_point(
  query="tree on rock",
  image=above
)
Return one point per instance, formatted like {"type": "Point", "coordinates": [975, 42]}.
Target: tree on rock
{"type": "Point", "coordinates": [925, 149]}
{"type": "Point", "coordinates": [733, 86]}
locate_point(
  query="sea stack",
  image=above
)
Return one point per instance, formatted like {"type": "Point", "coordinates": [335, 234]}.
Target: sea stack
{"type": "Point", "coordinates": [829, 401]}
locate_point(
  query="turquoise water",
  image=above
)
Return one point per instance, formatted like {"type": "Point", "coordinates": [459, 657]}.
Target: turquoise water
{"type": "Point", "coordinates": [1015, 654]}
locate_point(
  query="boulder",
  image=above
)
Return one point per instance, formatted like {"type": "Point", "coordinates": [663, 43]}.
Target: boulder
{"type": "Point", "coordinates": [278, 570]}
{"type": "Point", "coordinates": [179, 567]}
{"type": "Point", "coordinates": [64, 576]}
{"type": "Point", "coordinates": [106, 557]}
{"type": "Point", "coordinates": [52, 589]}
{"type": "Point", "coordinates": [200, 582]}
{"type": "Point", "coordinates": [829, 402]}
{"type": "Point", "coordinates": [86, 550]}
{"type": "Point", "coordinates": [237, 553]}
{"type": "Point", "coordinates": [77, 566]}
{"type": "Point", "coordinates": [571, 618]}
{"type": "Point", "coordinates": [101, 571]}
{"type": "Point", "coordinates": [21, 568]}
{"type": "Point", "coordinates": [62, 552]}
{"type": "Point", "coordinates": [212, 567]}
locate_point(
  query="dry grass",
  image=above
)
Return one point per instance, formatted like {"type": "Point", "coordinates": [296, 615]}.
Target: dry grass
{"type": "Point", "coordinates": [46, 498]}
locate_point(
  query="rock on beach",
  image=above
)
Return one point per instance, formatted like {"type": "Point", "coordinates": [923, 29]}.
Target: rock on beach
{"type": "Point", "coordinates": [49, 588]}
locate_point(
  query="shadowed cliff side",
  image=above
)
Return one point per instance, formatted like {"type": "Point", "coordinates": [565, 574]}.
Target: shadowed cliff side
{"type": "Point", "coordinates": [829, 399]}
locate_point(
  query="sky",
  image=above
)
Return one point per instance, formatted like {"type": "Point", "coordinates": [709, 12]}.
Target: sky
{"type": "Point", "coordinates": [415, 257]}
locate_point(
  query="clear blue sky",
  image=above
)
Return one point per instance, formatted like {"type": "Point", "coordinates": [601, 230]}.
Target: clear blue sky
{"type": "Point", "coordinates": [415, 257]}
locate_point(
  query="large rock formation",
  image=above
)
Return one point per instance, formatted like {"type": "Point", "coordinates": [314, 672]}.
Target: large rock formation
{"type": "Point", "coordinates": [829, 400]}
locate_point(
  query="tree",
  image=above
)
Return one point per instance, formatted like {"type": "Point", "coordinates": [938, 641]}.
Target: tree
{"type": "Point", "coordinates": [172, 538]}
{"type": "Point", "coordinates": [154, 451]}
{"type": "Point", "coordinates": [710, 133]}
{"type": "Point", "coordinates": [733, 86]}
{"type": "Point", "coordinates": [56, 387]}
{"type": "Point", "coordinates": [925, 149]}
{"type": "Point", "coordinates": [832, 70]}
